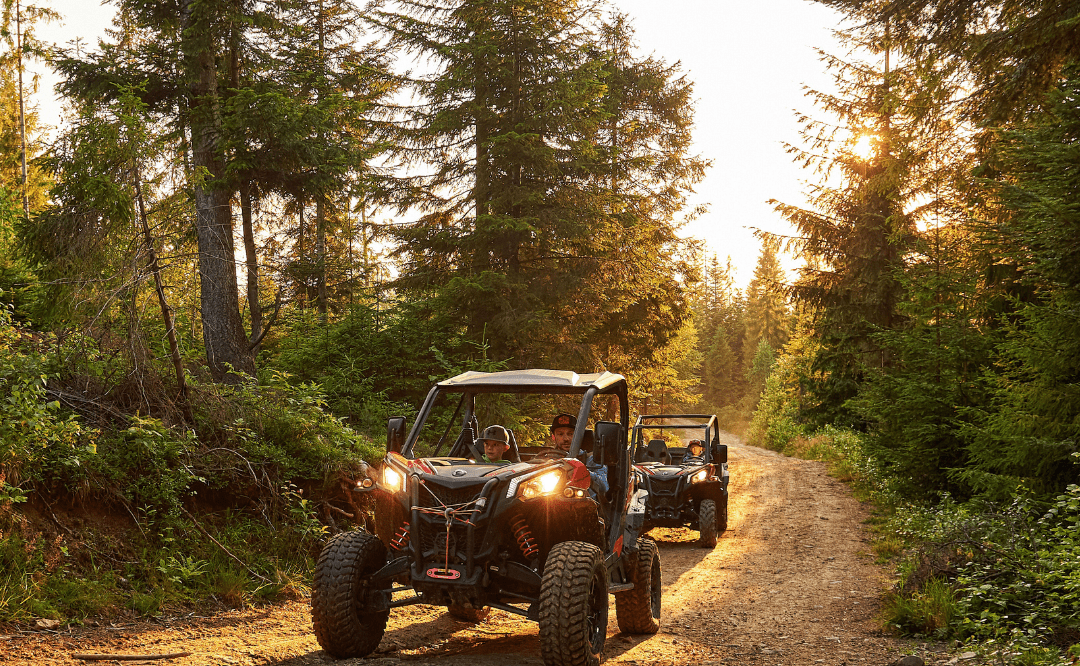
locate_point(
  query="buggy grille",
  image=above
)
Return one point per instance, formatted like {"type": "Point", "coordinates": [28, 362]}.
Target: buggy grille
{"type": "Point", "coordinates": [435, 496]}
{"type": "Point", "coordinates": [664, 486]}
{"type": "Point", "coordinates": [436, 543]}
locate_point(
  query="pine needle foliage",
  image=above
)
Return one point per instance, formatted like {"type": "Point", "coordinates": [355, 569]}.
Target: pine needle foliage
{"type": "Point", "coordinates": [1030, 430]}
{"type": "Point", "coordinates": [556, 162]}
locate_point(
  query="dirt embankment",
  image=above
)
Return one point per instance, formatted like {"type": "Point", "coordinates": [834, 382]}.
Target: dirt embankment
{"type": "Point", "coordinates": [790, 582]}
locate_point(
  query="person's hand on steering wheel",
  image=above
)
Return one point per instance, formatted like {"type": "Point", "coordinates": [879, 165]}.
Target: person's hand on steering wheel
{"type": "Point", "coordinates": [549, 453]}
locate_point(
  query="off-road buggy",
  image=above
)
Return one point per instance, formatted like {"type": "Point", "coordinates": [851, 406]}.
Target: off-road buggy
{"type": "Point", "coordinates": [683, 491]}
{"type": "Point", "coordinates": [531, 536]}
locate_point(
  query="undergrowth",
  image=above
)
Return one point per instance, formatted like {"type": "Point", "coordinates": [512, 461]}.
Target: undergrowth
{"type": "Point", "coordinates": [136, 514]}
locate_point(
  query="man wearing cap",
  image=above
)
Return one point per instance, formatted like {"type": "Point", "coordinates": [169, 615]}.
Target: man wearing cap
{"type": "Point", "coordinates": [562, 436]}
{"type": "Point", "coordinates": [562, 431]}
{"type": "Point", "coordinates": [496, 442]}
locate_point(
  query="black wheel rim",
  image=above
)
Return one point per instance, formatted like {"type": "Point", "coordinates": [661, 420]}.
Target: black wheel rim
{"type": "Point", "coordinates": [656, 587]}
{"type": "Point", "coordinates": [598, 609]}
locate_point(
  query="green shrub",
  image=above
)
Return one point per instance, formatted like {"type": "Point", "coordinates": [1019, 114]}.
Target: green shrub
{"type": "Point", "coordinates": [33, 427]}
{"type": "Point", "coordinates": [1013, 570]}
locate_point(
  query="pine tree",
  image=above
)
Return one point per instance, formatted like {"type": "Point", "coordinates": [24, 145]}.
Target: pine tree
{"type": "Point", "coordinates": [767, 316]}
{"type": "Point", "coordinates": [19, 123]}
{"type": "Point", "coordinates": [1014, 52]}
{"type": "Point", "coordinates": [17, 109]}
{"type": "Point", "coordinates": [1029, 432]}
{"type": "Point", "coordinates": [859, 235]}
{"type": "Point", "coordinates": [324, 100]}
{"type": "Point", "coordinates": [172, 53]}
{"type": "Point", "coordinates": [719, 371]}
{"type": "Point", "coordinates": [536, 230]}
{"type": "Point", "coordinates": [721, 315]}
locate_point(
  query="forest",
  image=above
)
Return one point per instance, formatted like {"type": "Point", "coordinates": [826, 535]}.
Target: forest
{"type": "Point", "coordinates": [269, 225]}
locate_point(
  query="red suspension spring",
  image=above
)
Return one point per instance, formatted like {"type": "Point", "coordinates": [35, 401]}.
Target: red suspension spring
{"type": "Point", "coordinates": [524, 537]}
{"type": "Point", "coordinates": [401, 537]}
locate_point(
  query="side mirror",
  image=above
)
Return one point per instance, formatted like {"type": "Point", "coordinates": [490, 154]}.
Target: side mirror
{"type": "Point", "coordinates": [610, 445]}
{"type": "Point", "coordinates": [395, 434]}
{"type": "Point", "coordinates": [719, 453]}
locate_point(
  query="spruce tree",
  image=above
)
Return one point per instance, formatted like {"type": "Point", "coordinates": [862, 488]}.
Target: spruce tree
{"type": "Point", "coordinates": [19, 126]}
{"type": "Point", "coordinates": [1029, 432]}
{"type": "Point", "coordinates": [767, 316]}
{"type": "Point", "coordinates": [857, 236]}
{"type": "Point", "coordinates": [535, 227]}
{"type": "Point", "coordinates": [19, 120]}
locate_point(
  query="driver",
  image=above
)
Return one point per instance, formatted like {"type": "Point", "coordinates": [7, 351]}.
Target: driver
{"type": "Point", "coordinates": [496, 442]}
{"type": "Point", "coordinates": [562, 435]}
{"type": "Point", "coordinates": [562, 432]}
{"type": "Point", "coordinates": [695, 453]}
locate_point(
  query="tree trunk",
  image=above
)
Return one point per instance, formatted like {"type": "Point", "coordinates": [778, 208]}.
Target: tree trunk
{"type": "Point", "coordinates": [223, 328]}
{"type": "Point", "coordinates": [252, 263]}
{"type": "Point", "coordinates": [166, 311]}
{"type": "Point", "coordinates": [320, 256]}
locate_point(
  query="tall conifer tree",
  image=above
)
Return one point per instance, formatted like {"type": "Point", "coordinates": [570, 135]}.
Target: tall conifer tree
{"type": "Point", "coordinates": [767, 315]}
{"type": "Point", "coordinates": [532, 205]}
{"type": "Point", "coordinates": [858, 234]}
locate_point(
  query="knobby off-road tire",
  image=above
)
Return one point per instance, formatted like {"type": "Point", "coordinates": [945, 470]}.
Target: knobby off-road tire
{"type": "Point", "coordinates": [638, 610]}
{"type": "Point", "coordinates": [469, 614]}
{"type": "Point", "coordinates": [721, 515]}
{"type": "Point", "coordinates": [342, 626]}
{"type": "Point", "coordinates": [707, 523]}
{"type": "Point", "coordinates": [573, 605]}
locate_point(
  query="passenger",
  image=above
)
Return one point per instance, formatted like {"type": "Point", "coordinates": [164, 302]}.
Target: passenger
{"type": "Point", "coordinates": [562, 436]}
{"type": "Point", "coordinates": [695, 453]}
{"type": "Point", "coordinates": [496, 442]}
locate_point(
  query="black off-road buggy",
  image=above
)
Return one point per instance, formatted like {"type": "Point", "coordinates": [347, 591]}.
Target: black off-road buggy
{"type": "Point", "coordinates": [531, 536]}
{"type": "Point", "coordinates": [683, 491]}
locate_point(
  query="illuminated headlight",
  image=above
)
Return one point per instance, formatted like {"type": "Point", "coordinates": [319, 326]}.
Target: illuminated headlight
{"type": "Point", "coordinates": [699, 476]}
{"type": "Point", "coordinates": [544, 484]}
{"type": "Point", "coordinates": [392, 479]}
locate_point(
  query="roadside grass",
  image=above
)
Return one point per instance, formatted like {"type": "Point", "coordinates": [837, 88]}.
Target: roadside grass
{"type": "Point", "coordinates": [929, 611]}
{"type": "Point", "coordinates": [54, 576]}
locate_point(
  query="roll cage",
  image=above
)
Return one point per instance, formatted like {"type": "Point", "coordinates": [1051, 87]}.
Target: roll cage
{"type": "Point", "coordinates": [517, 382]}
{"type": "Point", "coordinates": [709, 427]}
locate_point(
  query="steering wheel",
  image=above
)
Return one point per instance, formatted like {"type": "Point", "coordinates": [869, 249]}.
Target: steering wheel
{"type": "Point", "coordinates": [549, 453]}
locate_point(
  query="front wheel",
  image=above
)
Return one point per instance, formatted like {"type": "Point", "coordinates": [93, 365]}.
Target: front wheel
{"type": "Point", "coordinates": [638, 610]}
{"type": "Point", "coordinates": [573, 605]}
{"type": "Point", "coordinates": [343, 626]}
{"type": "Point", "coordinates": [707, 523]}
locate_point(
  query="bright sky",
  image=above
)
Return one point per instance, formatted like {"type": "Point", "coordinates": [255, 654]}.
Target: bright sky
{"type": "Point", "coordinates": [749, 62]}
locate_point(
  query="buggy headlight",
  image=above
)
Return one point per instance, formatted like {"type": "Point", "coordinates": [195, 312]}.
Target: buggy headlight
{"type": "Point", "coordinates": [699, 476]}
{"type": "Point", "coordinates": [545, 484]}
{"type": "Point", "coordinates": [392, 479]}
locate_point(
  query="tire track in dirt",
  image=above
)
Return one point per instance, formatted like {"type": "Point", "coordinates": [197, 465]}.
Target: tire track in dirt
{"type": "Point", "coordinates": [790, 582]}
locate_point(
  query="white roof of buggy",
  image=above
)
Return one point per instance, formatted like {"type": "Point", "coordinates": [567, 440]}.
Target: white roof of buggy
{"type": "Point", "coordinates": [554, 380]}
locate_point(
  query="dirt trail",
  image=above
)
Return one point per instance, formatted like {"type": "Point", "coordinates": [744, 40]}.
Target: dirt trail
{"type": "Point", "coordinates": [790, 582]}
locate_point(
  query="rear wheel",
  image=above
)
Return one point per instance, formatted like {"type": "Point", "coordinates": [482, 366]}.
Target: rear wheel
{"type": "Point", "coordinates": [343, 627]}
{"type": "Point", "coordinates": [469, 614]}
{"type": "Point", "coordinates": [721, 515]}
{"type": "Point", "coordinates": [707, 523]}
{"type": "Point", "coordinates": [573, 605]}
{"type": "Point", "coordinates": [638, 610]}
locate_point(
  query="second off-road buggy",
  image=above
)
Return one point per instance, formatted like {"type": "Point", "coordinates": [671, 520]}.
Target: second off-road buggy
{"type": "Point", "coordinates": [533, 536]}
{"type": "Point", "coordinates": [683, 491]}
